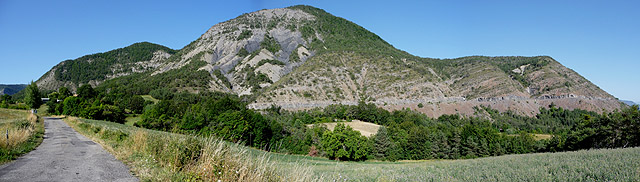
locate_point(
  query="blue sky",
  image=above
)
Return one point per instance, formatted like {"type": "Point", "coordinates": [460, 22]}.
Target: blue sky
{"type": "Point", "coordinates": [597, 39]}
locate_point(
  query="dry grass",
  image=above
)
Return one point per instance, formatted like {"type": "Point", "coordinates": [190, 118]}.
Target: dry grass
{"type": "Point", "coordinates": [162, 156]}
{"type": "Point", "coordinates": [16, 126]}
{"type": "Point", "coordinates": [20, 132]}
{"type": "Point", "coordinates": [366, 129]}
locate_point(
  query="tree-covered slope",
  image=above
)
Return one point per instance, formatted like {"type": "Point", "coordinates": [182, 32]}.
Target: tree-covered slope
{"type": "Point", "coordinates": [95, 68]}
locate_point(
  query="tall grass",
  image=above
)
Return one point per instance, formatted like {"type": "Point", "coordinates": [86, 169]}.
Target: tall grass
{"type": "Point", "coordinates": [20, 132]}
{"type": "Point", "coordinates": [161, 156]}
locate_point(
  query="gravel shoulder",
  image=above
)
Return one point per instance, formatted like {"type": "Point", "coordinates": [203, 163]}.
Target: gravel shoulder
{"type": "Point", "coordinates": [65, 155]}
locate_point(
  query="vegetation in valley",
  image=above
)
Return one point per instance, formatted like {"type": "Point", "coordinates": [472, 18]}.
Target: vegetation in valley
{"type": "Point", "coordinates": [408, 135]}
{"type": "Point", "coordinates": [161, 156]}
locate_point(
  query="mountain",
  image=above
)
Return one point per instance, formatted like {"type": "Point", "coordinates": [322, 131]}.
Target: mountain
{"type": "Point", "coordinates": [303, 57]}
{"type": "Point", "coordinates": [628, 102]}
{"type": "Point", "coordinates": [11, 89]}
{"type": "Point", "coordinates": [96, 68]}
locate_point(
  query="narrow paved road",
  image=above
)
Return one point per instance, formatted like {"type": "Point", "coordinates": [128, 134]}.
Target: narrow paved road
{"type": "Point", "coordinates": [65, 155]}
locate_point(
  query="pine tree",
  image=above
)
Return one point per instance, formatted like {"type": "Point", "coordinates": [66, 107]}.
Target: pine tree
{"type": "Point", "coordinates": [382, 144]}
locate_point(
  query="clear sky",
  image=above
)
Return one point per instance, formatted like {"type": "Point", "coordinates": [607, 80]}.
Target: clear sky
{"type": "Point", "coordinates": [597, 39]}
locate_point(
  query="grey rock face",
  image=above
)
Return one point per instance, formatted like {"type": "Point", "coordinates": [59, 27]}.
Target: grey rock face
{"type": "Point", "coordinates": [221, 45]}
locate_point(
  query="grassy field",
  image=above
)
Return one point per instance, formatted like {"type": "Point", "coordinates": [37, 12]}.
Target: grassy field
{"type": "Point", "coordinates": [161, 156]}
{"type": "Point", "coordinates": [591, 165]}
{"type": "Point", "coordinates": [20, 132]}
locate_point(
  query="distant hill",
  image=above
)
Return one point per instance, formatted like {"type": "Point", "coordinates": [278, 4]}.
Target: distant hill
{"type": "Point", "coordinates": [303, 57]}
{"type": "Point", "coordinates": [11, 89]}
{"type": "Point", "coordinates": [96, 68]}
{"type": "Point", "coordinates": [628, 102]}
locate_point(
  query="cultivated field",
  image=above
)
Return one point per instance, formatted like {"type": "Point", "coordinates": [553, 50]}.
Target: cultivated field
{"type": "Point", "coordinates": [590, 165]}
{"type": "Point", "coordinates": [155, 155]}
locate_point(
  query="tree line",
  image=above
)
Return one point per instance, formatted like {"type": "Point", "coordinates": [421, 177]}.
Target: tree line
{"type": "Point", "coordinates": [403, 135]}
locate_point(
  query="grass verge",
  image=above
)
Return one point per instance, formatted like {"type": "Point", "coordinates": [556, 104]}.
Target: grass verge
{"type": "Point", "coordinates": [161, 156]}
{"type": "Point", "coordinates": [21, 132]}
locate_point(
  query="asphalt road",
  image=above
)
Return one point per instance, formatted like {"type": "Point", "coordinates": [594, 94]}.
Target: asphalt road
{"type": "Point", "coordinates": [65, 155]}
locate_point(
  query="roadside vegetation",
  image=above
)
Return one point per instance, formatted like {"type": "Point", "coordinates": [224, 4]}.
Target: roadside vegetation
{"type": "Point", "coordinates": [161, 156]}
{"type": "Point", "coordinates": [21, 132]}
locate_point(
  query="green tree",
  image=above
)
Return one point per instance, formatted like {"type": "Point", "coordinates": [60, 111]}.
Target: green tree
{"type": "Point", "coordinates": [136, 104]}
{"type": "Point", "coordinates": [382, 145]}
{"type": "Point", "coordinates": [86, 91]}
{"type": "Point", "coordinates": [63, 93]}
{"type": "Point", "coordinates": [32, 96]}
{"type": "Point", "coordinates": [345, 143]}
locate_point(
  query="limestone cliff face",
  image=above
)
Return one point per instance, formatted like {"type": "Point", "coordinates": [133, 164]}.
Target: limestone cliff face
{"type": "Point", "coordinates": [303, 57]}
{"type": "Point", "coordinates": [251, 51]}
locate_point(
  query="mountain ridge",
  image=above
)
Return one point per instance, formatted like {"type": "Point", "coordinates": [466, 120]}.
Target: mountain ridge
{"type": "Point", "coordinates": [11, 89]}
{"type": "Point", "coordinates": [302, 57]}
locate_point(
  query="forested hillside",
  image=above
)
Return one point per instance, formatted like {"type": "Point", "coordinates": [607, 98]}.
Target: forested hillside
{"type": "Point", "coordinates": [95, 68]}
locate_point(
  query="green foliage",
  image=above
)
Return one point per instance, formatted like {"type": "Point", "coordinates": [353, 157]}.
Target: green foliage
{"type": "Point", "coordinates": [507, 64]}
{"type": "Point", "coordinates": [243, 52]}
{"type": "Point", "coordinates": [245, 35]}
{"type": "Point", "coordinates": [341, 34]}
{"type": "Point", "coordinates": [307, 32]}
{"type": "Point", "coordinates": [222, 78]}
{"type": "Point", "coordinates": [270, 61]}
{"type": "Point", "coordinates": [612, 130]}
{"type": "Point", "coordinates": [551, 120]}
{"type": "Point", "coordinates": [344, 143]}
{"type": "Point", "coordinates": [86, 91]}
{"type": "Point", "coordinates": [63, 93]}
{"type": "Point", "coordinates": [187, 76]}
{"type": "Point", "coordinates": [98, 66]}
{"type": "Point", "coordinates": [220, 115]}
{"type": "Point", "coordinates": [293, 57]}
{"type": "Point", "coordinates": [383, 147]}
{"type": "Point", "coordinates": [270, 44]}
{"type": "Point", "coordinates": [32, 96]}
{"type": "Point", "coordinates": [136, 104]}
{"type": "Point", "coordinates": [254, 79]}
{"type": "Point", "coordinates": [420, 105]}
